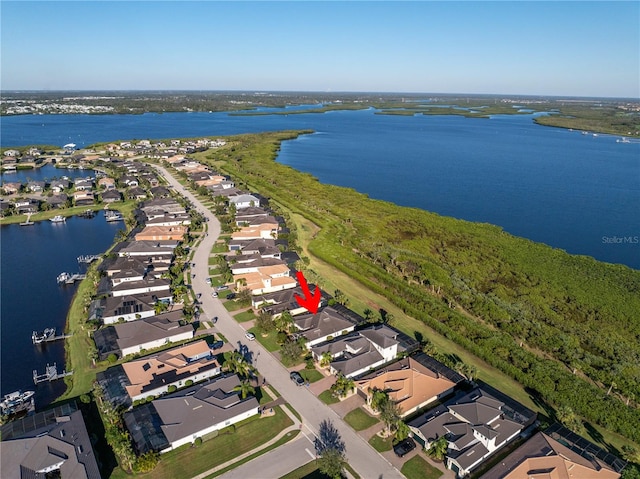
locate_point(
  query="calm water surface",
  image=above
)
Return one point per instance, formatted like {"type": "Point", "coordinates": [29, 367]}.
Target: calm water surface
{"type": "Point", "coordinates": [32, 257]}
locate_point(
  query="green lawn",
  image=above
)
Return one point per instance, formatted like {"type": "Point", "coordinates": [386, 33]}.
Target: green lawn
{"type": "Point", "coordinates": [190, 461]}
{"type": "Point", "coordinates": [327, 398]}
{"type": "Point", "coordinates": [233, 305]}
{"type": "Point", "coordinates": [359, 419]}
{"type": "Point", "coordinates": [418, 468]}
{"type": "Point", "coordinates": [220, 248]}
{"type": "Point", "coordinates": [379, 444]}
{"type": "Point", "coordinates": [268, 341]}
{"type": "Point", "coordinates": [308, 471]}
{"type": "Point", "coordinates": [245, 316]}
{"type": "Point", "coordinates": [311, 375]}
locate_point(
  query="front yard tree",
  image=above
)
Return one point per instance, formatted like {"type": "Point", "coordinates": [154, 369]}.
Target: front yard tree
{"type": "Point", "coordinates": [438, 448]}
{"type": "Point", "coordinates": [330, 449]}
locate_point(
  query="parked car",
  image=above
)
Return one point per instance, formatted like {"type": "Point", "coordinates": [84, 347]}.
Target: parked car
{"type": "Point", "coordinates": [199, 295]}
{"type": "Point", "coordinates": [404, 447]}
{"type": "Point", "coordinates": [296, 378]}
{"type": "Point", "coordinates": [250, 336]}
{"type": "Point", "coordinates": [215, 319]}
{"type": "Point", "coordinates": [231, 296]}
{"type": "Point", "coordinates": [222, 288]}
{"type": "Point", "coordinates": [217, 345]}
{"type": "Point", "coordinates": [208, 280]}
{"type": "Point", "coordinates": [214, 294]}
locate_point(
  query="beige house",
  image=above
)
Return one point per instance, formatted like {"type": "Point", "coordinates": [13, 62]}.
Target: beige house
{"type": "Point", "coordinates": [267, 279]}
{"type": "Point", "coordinates": [409, 384]}
{"type": "Point", "coordinates": [264, 231]}
{"type": "Point", "coordinates": [159, 233]}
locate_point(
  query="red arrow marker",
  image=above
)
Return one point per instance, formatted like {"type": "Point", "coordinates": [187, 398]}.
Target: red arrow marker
{"type": "Point", "coordinates": [310, 302]}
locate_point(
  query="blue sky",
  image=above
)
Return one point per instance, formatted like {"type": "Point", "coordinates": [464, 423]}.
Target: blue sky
{"type": "Point", "coordinates": [538, 48]}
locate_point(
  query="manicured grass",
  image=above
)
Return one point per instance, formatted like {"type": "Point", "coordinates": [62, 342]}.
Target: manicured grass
{"type": "Point", "coordinates": [418, 468]}
{"type": "Point", "coordinates": [327, 398]}
{"type": "Point", "coordinates": [379, 444]}
{"type": "Point", "coordinates": [245, 316]}
{"type": "Point", "coordinates": [220, 248]}
{"type": "Point", "coordinates": [359, 419]}
{"type": "Point", "coordinates": [233, 305]}
{"type": "Point", "coordinates": [190, 461]}
{"type": "Point", "coordinates": [311, 375]}
{"type": "Point", "coordinates": [268, 341]}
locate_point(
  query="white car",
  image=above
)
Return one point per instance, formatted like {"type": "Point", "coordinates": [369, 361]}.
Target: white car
{"type": "Point", "coordinates": [250, 336]}
{"type": "Point", "coordinates": [214, 294]}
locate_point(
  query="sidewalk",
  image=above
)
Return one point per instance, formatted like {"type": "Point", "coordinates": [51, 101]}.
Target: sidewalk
{"type": "Point", "coordinates": [297, 426]}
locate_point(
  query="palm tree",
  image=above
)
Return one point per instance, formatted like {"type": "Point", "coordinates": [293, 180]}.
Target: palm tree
{"type": "Point", "coordinates": [390, 415]}
{"type": "Point", "coordinates": [284, 322]}
{"type": "Point", "coordinates": [325, 360]}
{"type": "Point", "coordinates": [378, 399]}
{"type": "Point", "coordinates": [237, 363]}
{"type": "Point", "coordinates": [438, 448]}
{"type": "Point", "coordinates": [245, 389]}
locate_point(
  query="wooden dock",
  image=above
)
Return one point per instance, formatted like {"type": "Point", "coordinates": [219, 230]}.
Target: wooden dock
{"type": "Point", "coordinates": [50, 374]}
{"type": "Point", "coordinates": [48, 336]}
{"type": "Point", "coordinates": [67, 278]}
{"type": "Point", "coordinates": [88, 258]}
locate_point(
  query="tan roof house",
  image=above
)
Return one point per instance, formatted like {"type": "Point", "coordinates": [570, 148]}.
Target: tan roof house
{"type": "Point", "coordinates": [158, 233]}
{"type": "Point", "coordinates": [543, 457]}
{"type": "Point", "coordinates": [264, 231]}
{"type": "Point", "coordinates": [107, 183]}
{"type": "Point", "coordinates": [410, 384]}
{"type": "Point", "coordinates": [153, 375]}
{"type": "Point", "coordinates": [266, 280]}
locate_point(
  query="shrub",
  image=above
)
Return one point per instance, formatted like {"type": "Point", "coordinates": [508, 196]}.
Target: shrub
{"type": "Point", "coordinates": [188, 383]}
{"type": "Point", "coordinates": [171, 389]}
{"type": "Point", "coordinates": [85, 398]}
{"type": "Point", "coordinates": [112, 358]}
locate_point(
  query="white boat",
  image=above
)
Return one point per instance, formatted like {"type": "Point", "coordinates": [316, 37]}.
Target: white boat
{"type": "Point", "coordinates": [63, 277]}
{"type": "Point", "coordinates": [15, 401]}
{"type": "Point", "coordinates": [58, 219]}
{"type": "Point", "coordinates": [111, 215]}
{"type": "Point", "coordinates": [38, 338]}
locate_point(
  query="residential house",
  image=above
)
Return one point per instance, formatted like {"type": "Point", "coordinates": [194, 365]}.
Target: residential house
{"type": "Point", "coordinates": [323, 326]}
{"type": "Point", "coordinates": [262, 247]}
{"type": "Point", "coordinates": [51, 443]}
{"type": "Point", "coordinates": [264, 231]}
{"type": "Point", "coordinates": [26, 206]}
{"type": "Point", "coordinates": [83, 184]}
{"type": "Point", "coordinates": [475, 425]}
{"type": "Point", "coordinates": [280, 301]}
{"type": "Point", "coordinates": [83, 197]}
{"type": "Point", "coordinates": [153, 375]}
{"type": "Point", "coordinates": [107, 183]}
{"type": "Point", "coordinates": [158, 286]}
{"type": "Point", "coordinates": [111, 196]}
{"type": "Point", "coordinates": [114, 309]}
{"type": "Point", "coordinates": [253, 264]}
{"type": "Point", "coordinates": [149, 251]}
{"type": "Point", "coordinates": [557, 453]}
{"type": "Point", "coordinates": [36, 186]}
{"type": "Point", "coordinates": [59, 186]}
{"type": "Point", "coordinates": [180, 418]}
{"type": "Point", "coordinates": [164, 205]}
{"type": "Point", "coordinates": [136, 193]}
{"type": "Point", "coordinates": [155, 233]}
{"type": "Point", "coordinates": [412, 383]}
{"type": "Point", "coordinates": [266, 280]}
{"type": "Point", "coordinates": [160, 192]}
{"type": "Point", "coordinates": [244, 201]}
{"type": "Point", "coordinates": [57, 201]}
{"type": "Point", "coordinates": [169, 220]}
{"type": "Point", "coordinates": [244, 216]}
{"type": "Point", "coordinates": [11, 188]}
{"type": "Point", "coordinates": [143, 335]}
{"type": "Point", "coordinates": [364, 350]}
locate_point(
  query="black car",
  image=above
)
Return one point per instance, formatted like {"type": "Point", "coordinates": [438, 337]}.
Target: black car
{"type": "Point", "coordinates": [217, 345]}
{"type": "Point", "coordinates": [231, 296]}
{"type": "Point", "coordinates": [296, 378]}
{"type": "Point", "coordinates": [403, 447]}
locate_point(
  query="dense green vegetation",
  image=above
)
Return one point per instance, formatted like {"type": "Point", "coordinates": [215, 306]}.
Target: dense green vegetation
{"type": "Point", "coordinates": [564, 326]}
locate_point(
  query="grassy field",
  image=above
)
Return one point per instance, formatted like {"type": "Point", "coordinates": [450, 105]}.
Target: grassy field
{"type": "Point", "coordinates": [268, 341]}
{"type": "Point", "coordinates": [418, 468]}
{"type": "Point", "coordinates": [190, 461]}
{"type": "Point", "coordinates": [359, 419]}
{"type": "Point", "coordinates": [244, 316]}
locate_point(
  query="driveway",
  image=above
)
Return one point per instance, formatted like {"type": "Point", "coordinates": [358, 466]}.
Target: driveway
{"type": "Point", "coordinates": [360, 455]}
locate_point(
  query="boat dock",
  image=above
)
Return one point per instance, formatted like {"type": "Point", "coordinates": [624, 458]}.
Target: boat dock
{"type": "Point", "coordinates": [88, 258]}
{"type": "Point", "coordinates": [50, 374]}
{"type": "Point", "coordinates": [28, 222]}
{"type": "Point", "coordinates": [48, 336]}
{"type": "Point", "coordinates": [67, 278]}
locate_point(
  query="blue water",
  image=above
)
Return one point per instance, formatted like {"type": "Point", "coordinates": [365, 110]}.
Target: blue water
{"type": "Point", "coordinates": [32, 257]}
{"type": "Point", "coordinates": [551, 185]}
{"type": "Point", "coordinates": [47, 173]}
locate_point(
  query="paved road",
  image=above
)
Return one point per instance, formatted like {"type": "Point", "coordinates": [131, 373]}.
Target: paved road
{"type": "Point", "coordinates": [361, 456]}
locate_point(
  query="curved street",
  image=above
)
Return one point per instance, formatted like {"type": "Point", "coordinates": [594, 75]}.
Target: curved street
{"type": "Point", "coordinates": [360, 455]}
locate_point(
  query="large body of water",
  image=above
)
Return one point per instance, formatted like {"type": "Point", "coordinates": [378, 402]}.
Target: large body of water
{"type": "Point", "coordinates": [32, 257]}
{"type": "Point", "coordinates": [577, 192]}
